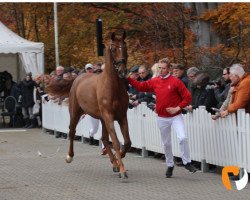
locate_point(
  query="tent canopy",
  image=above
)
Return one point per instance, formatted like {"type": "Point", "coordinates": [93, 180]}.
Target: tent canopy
{"type": "Point", "coordinates": [31, 54]}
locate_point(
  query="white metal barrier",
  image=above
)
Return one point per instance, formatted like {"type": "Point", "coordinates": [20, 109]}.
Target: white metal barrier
{"type": "Point", "coordinates": [221, 142]}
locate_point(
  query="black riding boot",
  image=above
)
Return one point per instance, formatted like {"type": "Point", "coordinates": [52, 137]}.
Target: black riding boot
{"type": "Point", "coordinates": [33, 123]}
{"type": "Point", "coordinates": [27, 122]}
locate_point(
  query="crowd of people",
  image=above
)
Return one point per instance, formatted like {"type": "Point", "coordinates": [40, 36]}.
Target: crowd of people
{"type": "Point", "coordinates": [27, 94]}
{"type": "Point", "coordinates": [215, 95]}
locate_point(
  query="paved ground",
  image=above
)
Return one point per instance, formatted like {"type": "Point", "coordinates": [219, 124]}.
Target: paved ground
{"type": "Point", "coordinates": [26, 175]}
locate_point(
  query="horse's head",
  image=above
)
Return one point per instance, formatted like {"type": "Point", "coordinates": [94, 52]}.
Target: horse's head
{"type": "Point", "coordinates": [119, 54]}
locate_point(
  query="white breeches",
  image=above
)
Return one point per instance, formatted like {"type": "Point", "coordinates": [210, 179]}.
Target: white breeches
{"type": "Point", "coordinates": [177, 122]}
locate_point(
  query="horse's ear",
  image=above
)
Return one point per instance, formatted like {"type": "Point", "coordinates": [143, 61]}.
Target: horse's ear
{"type": "Point", "coordinates": [124, 35]}
{"type": "Point", "coordinates": [113, 36]}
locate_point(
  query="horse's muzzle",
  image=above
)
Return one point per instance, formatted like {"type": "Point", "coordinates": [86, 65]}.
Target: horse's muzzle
{"type": "Point", "coordinates": [122, 73]}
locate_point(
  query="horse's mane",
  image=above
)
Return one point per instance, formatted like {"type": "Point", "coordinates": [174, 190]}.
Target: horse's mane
{"type": "Point", "coordinates": [58, 87]}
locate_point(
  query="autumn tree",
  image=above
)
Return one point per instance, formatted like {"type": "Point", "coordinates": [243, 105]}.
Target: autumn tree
{"type": "Point", "coordinates": [154, 30]}
{"type": "Point", "coordinates": [231, 21]}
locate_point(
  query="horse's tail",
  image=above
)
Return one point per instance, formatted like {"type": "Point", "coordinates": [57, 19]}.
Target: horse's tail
{"type": "Point", "coordinates": [58, 87]}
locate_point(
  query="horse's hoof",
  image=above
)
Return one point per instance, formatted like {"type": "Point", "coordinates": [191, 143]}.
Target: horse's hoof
{"type": "Point", "coordinates": [116, 169]}
{"type": "Point", "coordinates": [68, 159]}
{"type": "Point", "coordinates": [123, 175]}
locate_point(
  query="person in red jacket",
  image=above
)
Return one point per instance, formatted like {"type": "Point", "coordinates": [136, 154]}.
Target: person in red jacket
{"type": "Point", "coordinates": [171, 96]}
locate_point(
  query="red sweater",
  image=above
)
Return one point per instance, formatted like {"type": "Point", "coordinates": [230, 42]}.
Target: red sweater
{"type": "Point", "coordinates": [170, 92]}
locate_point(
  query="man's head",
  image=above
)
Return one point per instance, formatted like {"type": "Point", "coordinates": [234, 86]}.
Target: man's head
{"type": "Point", "coordinates": [236, 73]}
{"type": "Point", "coordinates": [143, 72]}
{"type": "Point", "coordinates": [164, 67]}
{"type": "Point", "coordinates": [201, 80]}
{"type": "Point", "coordinates": [134, 72]}
{"type": "Point", "coordinates": [97, 66]}
{"type": "Point", "coordinates": [155, 70]}
{"type": "Point", "coordinates": [192, 72]}
{"type": "Point", "coordinates": [38, 78]}
{"type": "Point", "coordinates": [225, 75]}
{"type": "Point", "coordinates": [67, 76]}
{"type": "Point", "coordinates": [75, 73]}
{"type": "Point", "coordinates": [59, 70]}
{"type": "Point", "coordinates": [89, 68]}
{"type": "Point", "coordinates": [178, 70]}
{"type": "Point", "coordinates": [28, 76]}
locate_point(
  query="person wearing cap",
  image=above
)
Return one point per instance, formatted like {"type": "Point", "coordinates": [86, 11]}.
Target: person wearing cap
{"type": "Point", "coordinates": [89, 68]}
{"type": "Point", "coordinates": [133, 72]}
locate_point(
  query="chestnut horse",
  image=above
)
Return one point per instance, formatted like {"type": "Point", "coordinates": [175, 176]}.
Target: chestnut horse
{"type": "Point", "coordinates": [104, 97]}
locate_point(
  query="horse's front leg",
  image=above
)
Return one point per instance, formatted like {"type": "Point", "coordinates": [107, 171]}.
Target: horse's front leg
{"type": "Point", "coordinates": [105, 140]}
{"type": "Point", "coordinates": [124, 129]}
{"type": "Point", "coordinates": [109, 122]}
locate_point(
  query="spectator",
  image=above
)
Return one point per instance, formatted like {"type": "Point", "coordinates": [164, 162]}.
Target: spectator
{"type": "Point", "coordinates": [97, 68]}
{"type": "Point", "coordinates": [133, 73]}
{"type": "Point", "coordinates": [59, 72]}
{"type": "Point", "coordinates": [67, 76]}
{"type": "Point", "coordinates": [155, 70]}
{"type": "Point", "coordinates": [75, 73]}
{"type": "Point", "coordinates": [26, 87]}
{"type": "Point", "coordinates": [179, 72]}
{"type": "Point", "coordinates": [89, 68]}
{"type": "Point", "coordinates": [169, 111]}
{"type": "Point", "coordinates": [191, 74]}
{"type": "Point", "coordinates": [144, 75]}
{"type": "Point", "coordinates": [8, 84]}
{"type": "Point", "coordinates": [240, 80]}
{"type": "Point", "coordinates": [103, 66]}
{"type": "Point", "coordinates": [201, 94]}
{"type": "Point", "coordinates": [224, 104]}
{"type": "Point", "coordinates": [38, 93]}
{"type": "Point", "coordinates": [221, 90]}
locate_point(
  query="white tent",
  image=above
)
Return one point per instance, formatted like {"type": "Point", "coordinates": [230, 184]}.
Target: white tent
{"type": "Point", "coordinates": [18, 55]}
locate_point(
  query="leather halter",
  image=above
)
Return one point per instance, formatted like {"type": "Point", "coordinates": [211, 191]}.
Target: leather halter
{"type": "Point", "coordinates": [116, 63]}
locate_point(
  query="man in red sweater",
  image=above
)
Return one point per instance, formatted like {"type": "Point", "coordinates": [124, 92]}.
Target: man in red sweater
{"type": "Point", "coordinates": [171, 96]}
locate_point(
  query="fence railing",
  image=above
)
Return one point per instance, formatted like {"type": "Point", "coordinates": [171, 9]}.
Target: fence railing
{"type": "Point", "coordinates": [222, 142]}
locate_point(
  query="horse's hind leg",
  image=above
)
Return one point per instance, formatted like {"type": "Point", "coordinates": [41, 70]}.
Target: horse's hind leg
{"type": "Point", "coordinates": [105, 140]}
{"type": "Point", "coordinates": [75, 114]}
{"type": "Point", "coordinates": [124, 129]}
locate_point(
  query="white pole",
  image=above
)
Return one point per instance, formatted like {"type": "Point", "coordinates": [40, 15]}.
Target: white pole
{"type": "Point", "coordinates": [56, 34]}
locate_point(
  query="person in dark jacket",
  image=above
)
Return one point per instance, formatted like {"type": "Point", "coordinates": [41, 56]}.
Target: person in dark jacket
{"type": "Point", "coordinates": [38, 93]}
{"type": "Point", "coordinates": [27, 87]}
{"type": "Point", "coordinates": [133, 73]}
{"type": "Point", "coordinates": [147, 97]}
{"type": "Point", "coordinates": [201, 94]}
{"type": "Point", "coordinates": [221, 90]}
{"type": "Point", "coordinates": [179, 72]}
